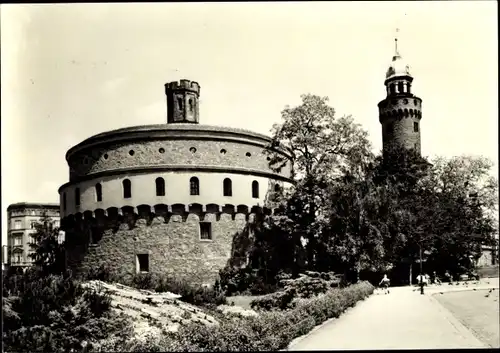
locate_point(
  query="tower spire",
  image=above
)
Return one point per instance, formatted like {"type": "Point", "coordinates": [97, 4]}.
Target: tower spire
{"type": "Point", "coordinates": [396, 53]}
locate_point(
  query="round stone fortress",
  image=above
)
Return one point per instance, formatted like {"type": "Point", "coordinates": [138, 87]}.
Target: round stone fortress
{"type": "Point", "coordinates": [166, 198]}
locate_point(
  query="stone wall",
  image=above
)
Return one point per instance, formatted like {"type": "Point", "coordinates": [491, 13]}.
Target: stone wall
{"type": "Point", "coordinates": [172, 241]}
{"type": "Point", "coordinates": [169, 152]}
{"type": "Point", "coordinates": [401, 114]}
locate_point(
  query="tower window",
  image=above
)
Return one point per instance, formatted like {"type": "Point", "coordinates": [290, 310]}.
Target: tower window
{"type": "Point", "coordinates": [142, 262]}
{"type": "Point", "coordinates": [392, 88]}
{"type": "Point", "coordinates": [98, 192]}
{"type": "Point", "coordinates": [205, 230]}
{"type": "Point", "coordinates": [400, 87]}
{"type": "Point", "coordinates": [228, 187]}
{"type": "Point", "coordinates": [191, 105]}
{"type": "Point", "coordinates": [127, 189]}
{"type": "Point", "coordinates": [160, 187]}
{"type": "Point", "coordinates": [77, 196]}
{"type": "Point", "coordinates": [255, 189]}
{"type": "Point", "coordinates": [179, 102]}
{"type": "Point", "coordinates": [194, 186]}
{"type": "Point", "coordinates": [277, 188]}
{"type": "Point", "coordinates": [415, 126]}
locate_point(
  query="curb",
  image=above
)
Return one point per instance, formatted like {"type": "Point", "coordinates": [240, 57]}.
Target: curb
{"type": "Point", "coordinates": [459, 326]}
{"type": "Point", "coordinates": [316, 328]}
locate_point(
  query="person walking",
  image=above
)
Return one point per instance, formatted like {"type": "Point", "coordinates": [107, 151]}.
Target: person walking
{"type": "Point", "coordinates": [385, 282]}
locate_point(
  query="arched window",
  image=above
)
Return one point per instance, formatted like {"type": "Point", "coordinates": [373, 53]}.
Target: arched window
{"type": "Point", "coordinates": [194, 186]}
{"type": "Point", "coordinates": [228, 187]}
{"type": "Point", "coordinates": [98, 192]}
{"type": "Point", "coordinates": [191, 105]}
{"type": "Point", "coordinates": [77, 196]}
{"type": "Point", "coordinates": [400, 87]}
{"type": "Point", "coordinates": [255, 189]}
{"type": "Point", "coordinates": [392, 88]}
{"type": "Point", "coordinates": [127, 189]}
{"type": "Point", "coordinates": [160, 187]}
{"type": "Point", "coordinates": [179, 101]}
{"type": "Point", "coordinates": [64, 201]}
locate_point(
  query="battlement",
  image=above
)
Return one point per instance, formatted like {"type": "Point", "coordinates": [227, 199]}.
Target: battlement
{"type": "Point", "coordinates": [167, 213]}
{"type": "Point", "coordinates": [186, 85]}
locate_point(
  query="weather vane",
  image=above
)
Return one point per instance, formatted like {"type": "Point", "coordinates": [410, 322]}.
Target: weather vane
{"type": "Point", "coordinates": [396, 41]}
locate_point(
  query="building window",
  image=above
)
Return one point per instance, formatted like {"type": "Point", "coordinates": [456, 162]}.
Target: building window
{"type": "Point", "coordinates": [228, 187]}
{"type": "Point", "coordinates": [400, 87]}
{"type": "Point", "coordinates": [179, 102]}
{"type": "Point", "coordinates": [205, 230]}
{"type": "Point", "coordinates": [17, 224]}
{"type": "Point", "coordinates": [18, 240]}
{"type": "Point", "coordinates": [64, 201]}
{"type": "Point", "coordinates": [17, 259]}
{"type": "Point", "coordinates": [392, 88]}
{"type": "Point", "coordinates": [77, 196]}
{"type": "Point", "coordinates": [277, 188]}
{"type": "Point", "coordinates": [33, 225]}
{"type": "Point", "coordinates": [191, 105]}
{"type": "Point", "coordinates": [255, 189]}
{"type": "Point", "coordinates": [142, 262]}
{"type": "Point", "coordinates": [194, 186]}
{"type": "Point", "coordinates": [415, 127]}
{"type": "Point", "coordinates": [127, 189]}
{"type": "Point", "coordinates": [98, 192]}
{"type": "Point", "coordinates": [160, 187]}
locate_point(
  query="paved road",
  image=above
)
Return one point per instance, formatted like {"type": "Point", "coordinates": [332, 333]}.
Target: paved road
{"type": "Point", "coordinates": [403, 319]}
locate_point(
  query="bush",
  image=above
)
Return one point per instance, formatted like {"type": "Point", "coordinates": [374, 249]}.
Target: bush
{"type": "Point", "coordinates": [190, 293]}
{"type": "Point", "coordinates": [280, 300]}
{"type": "Point", "coordinates": [55, 313]}
{"type": "Point", "coordinates": [270, 331]}
{"type": "Point", "coordinates": [236, 281]}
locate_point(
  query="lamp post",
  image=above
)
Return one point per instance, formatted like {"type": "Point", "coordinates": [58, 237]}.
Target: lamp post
{"type": "Point", "coordinates": [421, 275]}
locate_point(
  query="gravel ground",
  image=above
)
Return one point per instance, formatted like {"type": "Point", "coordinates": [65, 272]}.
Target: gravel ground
{"type": "Point", "coordinates": [478, 310]}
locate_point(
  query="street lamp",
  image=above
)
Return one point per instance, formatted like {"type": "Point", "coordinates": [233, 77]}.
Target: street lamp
{"type": "Point", "coordinates": [421, 275]}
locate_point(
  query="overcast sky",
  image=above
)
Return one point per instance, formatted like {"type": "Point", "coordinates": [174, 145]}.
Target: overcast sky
{"type": "Point", "coordinates": [69, 71]}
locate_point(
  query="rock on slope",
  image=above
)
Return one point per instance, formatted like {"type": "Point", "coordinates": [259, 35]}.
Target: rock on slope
{"type": "Point", "coordinates": [150, 311]}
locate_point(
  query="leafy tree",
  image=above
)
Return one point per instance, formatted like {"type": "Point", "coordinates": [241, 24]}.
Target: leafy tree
{"type": "Point", "coordinates": [322, 148]}
{"type": "Point", "coordinates": [48, 253]}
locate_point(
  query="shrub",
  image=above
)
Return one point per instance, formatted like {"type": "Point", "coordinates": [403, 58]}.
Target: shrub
{"type": "Point", "coordinates": [270, 331]}
{"type": "Point", "coordinates": [236, 281]}
{"type": "Point", "coordinates": [190, 293]}
{"type": "Point", "coordinates": [279, 300]}
{"type": "Point", "coordinates": [55, 313]}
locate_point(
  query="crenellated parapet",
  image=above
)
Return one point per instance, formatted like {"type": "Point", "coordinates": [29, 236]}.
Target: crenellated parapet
{"type": "Point", "coordinates": [107, 218]}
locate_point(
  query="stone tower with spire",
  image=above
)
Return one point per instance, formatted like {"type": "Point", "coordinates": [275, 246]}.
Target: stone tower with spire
{"type": "Point", "coordinates": [400, 112]}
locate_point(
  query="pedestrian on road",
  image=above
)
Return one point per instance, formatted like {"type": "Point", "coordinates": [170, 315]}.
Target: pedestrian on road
{"type": "Point", "coordinates": [385, 282]}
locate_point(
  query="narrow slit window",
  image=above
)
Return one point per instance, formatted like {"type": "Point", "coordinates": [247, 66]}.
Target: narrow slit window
{"type": "Point", "coordinates": [415, 127]}
{"type": "Point", "coordinates": [142, 262]}
{"type": "Point", "coordinates": [127, 189]}
{"type": "Point", "coordinates": [160, 187]}
{"type": "Point", "coordinates": [194, 186]}
{"type": "Point", "coordinates": [255, 189]}
{"type": "Point", "coordinates": [205, 230]}
{"type": "Point", "coordinates": [98, 192]}
{"type": "Point", "coordinates": [77, 196]}
{"type": "Point", "coordinates": [228, 187]}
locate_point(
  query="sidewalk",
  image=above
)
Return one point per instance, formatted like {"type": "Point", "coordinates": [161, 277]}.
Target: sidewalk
{"type": "Point", "coordinates": [403, 319]}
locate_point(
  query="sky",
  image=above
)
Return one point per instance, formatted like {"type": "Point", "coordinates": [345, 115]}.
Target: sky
{"type": "Point", "coordinates": [69, 71]}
